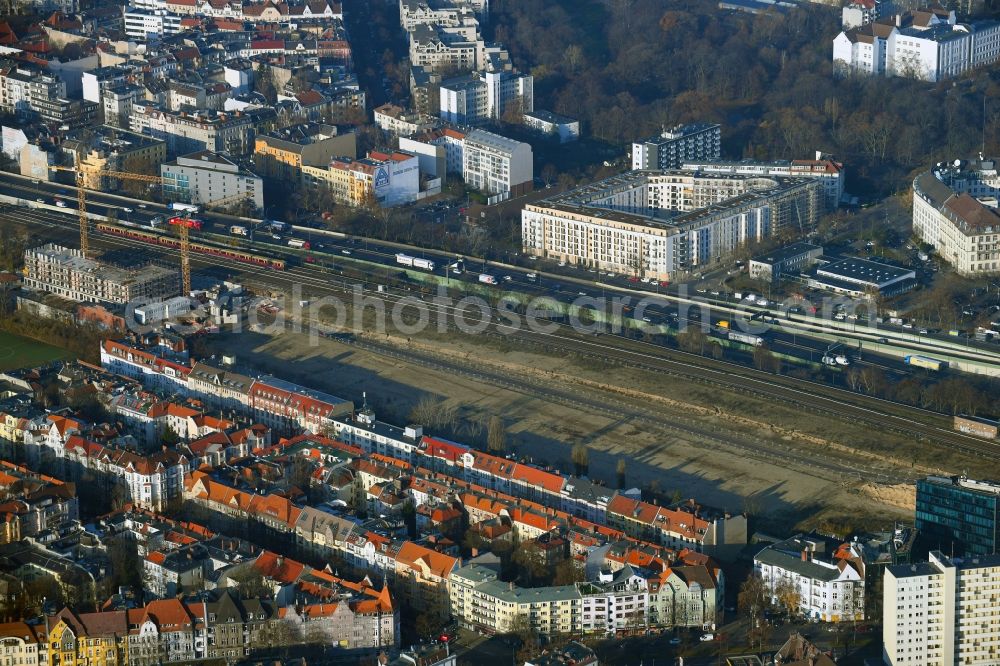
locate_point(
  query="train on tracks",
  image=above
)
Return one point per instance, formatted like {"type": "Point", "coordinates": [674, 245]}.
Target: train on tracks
{"type": "Point", "coordinates": [232, 253]}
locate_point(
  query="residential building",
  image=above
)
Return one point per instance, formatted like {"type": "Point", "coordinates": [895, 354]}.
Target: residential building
{"type": "Point", "coordinates": [106, 148]}
{"type": "Point", "coordinates": [150, 24]}
{"type": "Point", "coordinates": [396, 120]}
{"type": "Point", "coordinates": [686, 525]}
{"type": "Point", "coordinates": [23, 644]}
{"type": "Point", "coordinates": [958, 514]}
{"type": "Point", "coordinates": [828, 171]}
{"type": "Point", "coordinates": [784, 260]}
{"type": "Point", "coordinates": [673, 147]}
{"type": "Point", "coordinates": [552, 124]}
{"type": "Point", "coordinates": [421, 12]}
{"type": "Point", "coordinates": [282, 404]}
{"type": "Point", "coordinates": [828, 577]}
{"type": "Point", "coordinates": [496, 164]}
{"type": "Point", "coordinates": [862, 12]}
{"type": "Point", "coordinates": [204, 130]}
{"type": "Point", "coordinates": [457, 48]}
{"type": "Point", "coordinates": [941, 612]}
{"type": "Point", "coordinates": [382, 178]}
{"type": "Point", "coordinates": [927, 44]}
{"type": "Point", "coordinates": [483, 96]}
{"type": "Point", "coordinates": [282, 154]}
{"type": "Point", "coordinates": [206, 177]}
{"type": "Point", "coordinates": [954, 210]}
{"type": "Point", "coordinates": [660, 224]}
{"type": "Point", "coordinates": [66, 273]}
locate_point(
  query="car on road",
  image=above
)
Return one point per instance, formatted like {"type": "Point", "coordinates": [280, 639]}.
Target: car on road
{"type": "Point", "coordinates": [676, 640]}
{"type": "Point", "coordinates": [128, 210]}
{"type": "Point", "coordinates": [345, 251]}
{"type": "Point", "coordinates": [562, 263]}
{"type": "Point", "coordinates": [707, 637]}
{"type": "Point", "coordinates": [647, 320]}
{"type": "Point", "coordinates": [633, 279]}
{"type": "Point", "coordinates": [60, 203]}
{"type": "Point", "coordinates": [532, 276]}
{"type": "Point", "coordinates": [645, 280]}
{"type": "Point", "coordinates": [40, 200]}
{"type": "Point", "coordinates": [143, 206]}
{"type": "Point", "coordinates": [507, 278]}
{"type": "Point", "coordinates": [275, 236]}
{"type": "Point", "coordinates": [582, 293]}
{"type": "Point", "coordinates": [883, 341]}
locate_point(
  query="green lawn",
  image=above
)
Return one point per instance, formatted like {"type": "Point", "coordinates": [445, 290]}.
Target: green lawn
{"type": "Point", "coordinates": [18, 352]}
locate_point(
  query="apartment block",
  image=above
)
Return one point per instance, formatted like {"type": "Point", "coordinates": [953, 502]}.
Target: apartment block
{"type": "Point", "coordinates": [942, 612]}
{"type": "Point", "coordinates": [150, 24]}
{"type": "Point", "coordinates": [191, 132]}
{"type": "Point", "coordinates": [479, 97]}
{"type": "Point", "coordinates": [65, 272]}
{"type": "Point", "coordinates": [496, 164]}
{"type": "Point", "coordinates": [926, 44]}
{"type": "Point", "coordinates": [959, 514]}
{"type": "Point", "coordinates": [954, 210]}
{"type": "Point", "coordinates": [206, 177]}
{"type": "Point", "coordinates": [386, 179]}
{"type": "Point", "coordinates": [825, 169]}
{"type": "Point", "coordinates": [829, 577]}
{"type": "Point", "coordinates": [396, 120]}
{"type": "Point", "coordinates": [106, 148]}
{"type": "Point", "coordinates": [673, 147]}
{"type": "Point", "coordinates": [660, 224]}
{"type": "Point", "coordinates": [552, 124]}
{"type": "Point", "coordinates": [281, 154]}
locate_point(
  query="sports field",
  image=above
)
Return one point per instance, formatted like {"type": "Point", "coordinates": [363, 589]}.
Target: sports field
{"type": "Point", "coordinates": [18, 352]}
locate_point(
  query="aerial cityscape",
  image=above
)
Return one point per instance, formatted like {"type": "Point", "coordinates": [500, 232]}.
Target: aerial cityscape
{"type": "Point", "coordinates": [459, 333]}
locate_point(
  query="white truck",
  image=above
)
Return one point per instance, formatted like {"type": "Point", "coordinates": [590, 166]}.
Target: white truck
{"type": "Point", "coordinates": [487, 279]}
{"type": "Point", "coordinates": [416, 262]}
{"type": "Point", "coordinates": [298, 243]}
{"type": "Point", "coordinates": [237, 230]}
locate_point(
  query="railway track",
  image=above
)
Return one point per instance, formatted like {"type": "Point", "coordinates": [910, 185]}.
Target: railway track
{"type": "Point", "coordinates": [921, 425]}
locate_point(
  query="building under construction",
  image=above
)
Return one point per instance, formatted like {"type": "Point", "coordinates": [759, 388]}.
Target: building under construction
{"type": "Point", "coordinates": [67, 273]}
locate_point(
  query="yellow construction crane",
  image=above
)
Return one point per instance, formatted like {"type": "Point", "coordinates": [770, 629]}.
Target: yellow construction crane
{"type": "Point", "coordinates": [182, 221]}
{"type": "Point", "coordinates": [81, 195]}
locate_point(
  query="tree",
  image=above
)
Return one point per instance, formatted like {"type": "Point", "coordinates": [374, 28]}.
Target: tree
{"type": "Point", "coordinates": [581, 459]}
{"type": "Point", "coordinates": [495, 436]}
{"type": "Point", "coordinates": [788, 596]}
{"type": "Point", "coordinates": [250, 583]}
{"type": "Point", "coordinates": [170, 437]}
{"type": "Point", "coordinates": [752, 600]}
{"type": "Point", "coordinates": [620, 473]}
{"type": "Point", "coordinates": [567, 572]}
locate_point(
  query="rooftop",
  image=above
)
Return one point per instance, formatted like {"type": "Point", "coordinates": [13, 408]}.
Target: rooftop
{"type": "Point", "coordinates": [865, 271]}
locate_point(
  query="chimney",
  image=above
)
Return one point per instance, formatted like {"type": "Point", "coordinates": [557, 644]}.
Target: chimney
{"type": "Point", "coordinates": [805, 555]}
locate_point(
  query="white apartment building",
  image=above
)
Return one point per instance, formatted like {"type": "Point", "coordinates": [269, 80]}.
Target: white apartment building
{"type": "Point", "coordinates": [861, 12]}
{"type": "Point", "coordinates": [447, 47]}
{"type": "Point", "coordinates": [206, 177]}
{"type": "Point", "coordinates": [954, 209]}
{"type": "Point", "coordinates": [673, 147]}
{"type": "Point", "coordinates": [942, 612]}
{"type": "Point", "coordinates": [371, 436]}
{"type": "Point", "coordinates": [27, 90]}
{"type": "Point", "coordinates": [926, 44]}
{"type": "Point", "coordinates": [659, 224]}
{"type": "Point", "coordinates": [422, 12]}
{"type": "Point", "coordinates": [496, 164]}
{"type": "Point", "coordinates": [396, 120]}
{"type": "Point", "coordinates": [150, 24]}
{"type": "Point", "coordinates": [829, 172]}
{"type": "Point", "coordinates": [829, 578]}
{"type": "Point", "coordinates": [479, 97]}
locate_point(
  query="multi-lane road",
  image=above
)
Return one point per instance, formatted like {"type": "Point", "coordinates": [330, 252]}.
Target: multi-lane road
{"type": "Point", "coordinates": [801, 335]}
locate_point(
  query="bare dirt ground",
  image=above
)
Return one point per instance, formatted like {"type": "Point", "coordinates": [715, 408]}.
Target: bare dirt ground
{"type": "Point", "coordinates": [782, 494]}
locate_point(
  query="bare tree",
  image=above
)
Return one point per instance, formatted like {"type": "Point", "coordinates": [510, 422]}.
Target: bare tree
{"type": "Point", "coordinates": [496, 437]}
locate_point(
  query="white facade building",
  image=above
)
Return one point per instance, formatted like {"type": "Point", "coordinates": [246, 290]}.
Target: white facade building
{"type": "Point", "coordinates": [480, 97]}
{"type": "Point", "coordinates": [658, 224]}
{"type": "Point", "coordinates": [496, 164]}
{"type": "Point", "coordinates": [146, 24]}
{"type": "Point", "coordinates": [942, 612]}
{"type": "Point", "coordinates": [830, 579]}
{"type": "Point", "coordinates": [954, 209]}
{"type": "Point", "coordinates": [829, 172]}
{"type": "Point", "coordinates": [926, 44]}
{"type": "Point", "coordinates": [205, 177]}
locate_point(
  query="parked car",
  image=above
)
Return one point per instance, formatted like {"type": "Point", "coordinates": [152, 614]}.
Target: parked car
{"type": "Point", "coordinates": [707, 637]}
